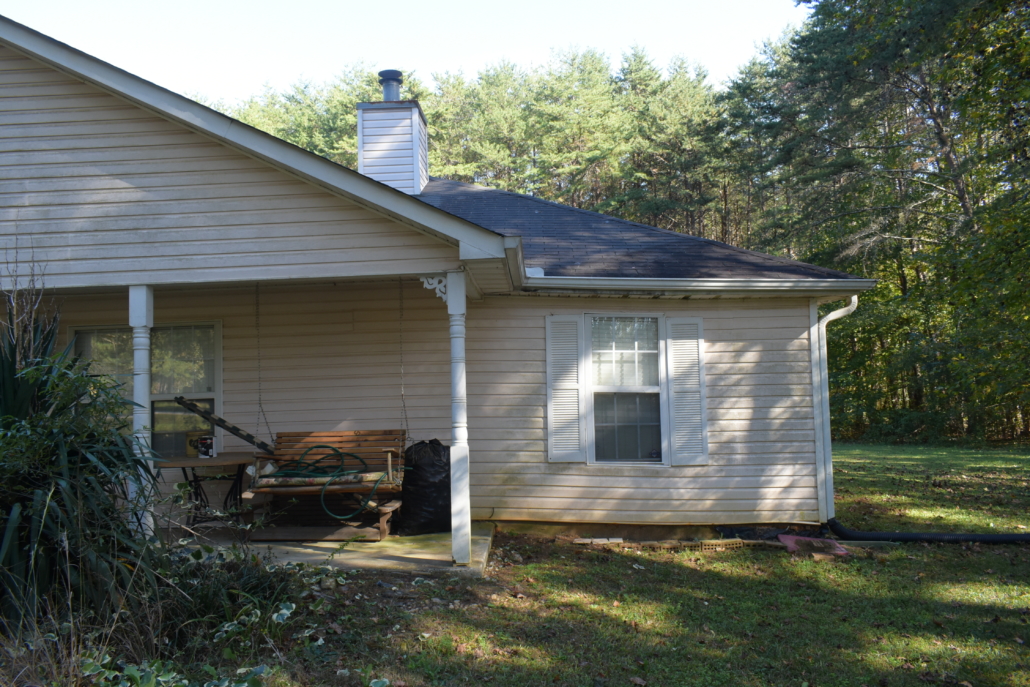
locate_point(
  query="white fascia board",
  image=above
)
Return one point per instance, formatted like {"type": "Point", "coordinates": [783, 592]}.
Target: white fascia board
{"type": "Point", "coordinates": [515, 260]}
{"type": "Point", "coordinates": [468, 251]}
{"type": "Point", "coordinates": [708, 286]}
{"type": "Point", "coordinates": [250, 141]}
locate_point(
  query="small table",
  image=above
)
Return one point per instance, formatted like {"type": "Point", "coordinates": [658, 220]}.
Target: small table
{"type": "Point", "coordinates": [198, 497]}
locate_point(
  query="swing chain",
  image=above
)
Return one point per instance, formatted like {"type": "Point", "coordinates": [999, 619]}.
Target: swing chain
{"type": "Point", "coordinates": [257, 331]}
{"type": "Point", "coordinates": [400, 342]}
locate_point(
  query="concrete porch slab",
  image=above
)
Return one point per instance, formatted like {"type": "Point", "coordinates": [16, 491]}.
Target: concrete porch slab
{"type": "Point", "coordinates": [425, 553]}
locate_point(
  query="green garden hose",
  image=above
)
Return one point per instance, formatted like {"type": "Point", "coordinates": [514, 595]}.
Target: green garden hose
{"type": "Point", "coordinates": [304, 468]}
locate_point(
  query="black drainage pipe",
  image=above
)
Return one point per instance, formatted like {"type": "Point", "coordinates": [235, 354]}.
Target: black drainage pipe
{"type": "Point", "coordinates": [854, 535]}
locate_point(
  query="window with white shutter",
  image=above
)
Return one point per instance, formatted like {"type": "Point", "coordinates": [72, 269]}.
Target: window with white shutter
{"type": "Point", "coordinates": [626, 389]}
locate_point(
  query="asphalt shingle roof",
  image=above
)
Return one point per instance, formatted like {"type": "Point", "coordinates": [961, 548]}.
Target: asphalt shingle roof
{"type": "Point", "coordinates": [568, 242]}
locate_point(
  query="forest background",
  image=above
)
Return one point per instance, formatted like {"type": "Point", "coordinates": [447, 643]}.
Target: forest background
{"type": "Point", "coordinates": [885, 138]}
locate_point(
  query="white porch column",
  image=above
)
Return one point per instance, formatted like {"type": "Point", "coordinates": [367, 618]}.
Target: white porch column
{"type": "Point", "coordinates": [141, 319]}
{"type": "Point", "coordinates": [461, 507]}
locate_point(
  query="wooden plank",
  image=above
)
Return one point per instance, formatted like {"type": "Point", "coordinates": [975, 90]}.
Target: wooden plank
{"type": "Point", "coordinates": [317, 448]}
{"type": "Point", "coordinates": [377, 448]}
{"type": "Point", "coordinates": [364, 488]}
{"type": "Point", "coordinates": [345, 435]}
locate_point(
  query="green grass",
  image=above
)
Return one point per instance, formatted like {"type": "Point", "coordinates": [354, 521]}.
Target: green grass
{"type": "Point", "coordinates": [560, 614]}
{"type": "Point", "coordinates": [888, 488]}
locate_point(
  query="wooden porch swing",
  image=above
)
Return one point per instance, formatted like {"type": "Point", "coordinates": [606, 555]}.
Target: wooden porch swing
{"type": "Point", "coordinates": [366, 465]}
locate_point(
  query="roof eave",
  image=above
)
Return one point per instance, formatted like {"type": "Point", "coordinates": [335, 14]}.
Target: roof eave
{"type": "Point", "coordinates": [701, 287]}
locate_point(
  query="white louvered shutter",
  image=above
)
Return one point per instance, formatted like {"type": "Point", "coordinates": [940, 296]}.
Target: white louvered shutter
{"type": "Point", "coordinates": [566, 424]}
{"type": "Point", "coordinates": [685, 348]}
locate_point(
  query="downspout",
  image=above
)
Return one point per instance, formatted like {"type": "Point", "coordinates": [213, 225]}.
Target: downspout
{"type": "Point", "coordinates": [821, 391]}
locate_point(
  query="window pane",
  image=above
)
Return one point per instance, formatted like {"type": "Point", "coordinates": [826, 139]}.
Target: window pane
{"type": "Point", "coordinates": [650, 408]}
{"type": "Point", "coordinates": [625, 351]}
{"type": "Point", "coordinates": [172, 424]}
{"type": "Point", "coordinates": [183, 360]}
{"type": "Point", "coordinates": [604, 438]}
{"type": "Point", "coordinates": [627, 442]}
{"type": "Point", "coordinates": [627, 428]}
{"type": "Point", "coordinates": [648, 370]}
{"type": "Point", "coordinates": [604, 408]}
{"type": "Point", "coordinates": [603, 333]}
{"type": "Point", "coordinates": [604, 372]}
{"type": "Point", "coordinates": [110, 351]}
{"type": "Point", "coordinates": [650, 443]}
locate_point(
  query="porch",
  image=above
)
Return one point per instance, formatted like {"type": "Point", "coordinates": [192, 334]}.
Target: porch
{"type": "Point", "coordinates": [288, 357]}
{"type": "Point", "coordinates": [423, 553]}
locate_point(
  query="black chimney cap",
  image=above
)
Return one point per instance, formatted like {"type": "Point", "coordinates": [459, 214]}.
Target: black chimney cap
{"type": "Point", "coordinates": [389, 75]}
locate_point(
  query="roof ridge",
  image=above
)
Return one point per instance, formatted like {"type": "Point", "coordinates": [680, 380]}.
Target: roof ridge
{"type": "Point", "coordinates": [764, 256]}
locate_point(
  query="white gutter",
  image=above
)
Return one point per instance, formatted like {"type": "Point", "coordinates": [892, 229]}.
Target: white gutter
{"type": "Point", "coordinates": [821, 401]}
{"type": "Point", "coordinates": [799, 287]}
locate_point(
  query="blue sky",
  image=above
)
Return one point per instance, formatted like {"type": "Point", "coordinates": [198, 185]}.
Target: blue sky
{"type": "Point", "coordinates": [230, 49]}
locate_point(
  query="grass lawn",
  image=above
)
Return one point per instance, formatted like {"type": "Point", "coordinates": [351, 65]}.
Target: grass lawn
{"type": "Point", "coordinates": [553, 613]}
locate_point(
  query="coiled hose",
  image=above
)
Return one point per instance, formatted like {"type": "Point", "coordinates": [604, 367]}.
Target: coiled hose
{"type": "Point", "coordinates": [334, 471]}
{"type": "Point", "coordinates": [951, 538]}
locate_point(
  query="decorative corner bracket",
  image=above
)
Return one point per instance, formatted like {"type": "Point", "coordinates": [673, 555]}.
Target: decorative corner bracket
{"type": "Point", "coordinates": [438, 283]}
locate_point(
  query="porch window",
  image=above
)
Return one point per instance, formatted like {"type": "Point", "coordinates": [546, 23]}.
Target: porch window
{"type": "Point", "coordinates": [183, 362]}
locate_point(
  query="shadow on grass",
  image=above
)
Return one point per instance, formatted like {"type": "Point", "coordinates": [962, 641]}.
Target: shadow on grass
{"type": "Point", "coordinates": [735, 618]}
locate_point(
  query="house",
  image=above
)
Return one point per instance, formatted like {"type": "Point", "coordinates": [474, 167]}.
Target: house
{"type": "Point", "coordinates": [583, 369]}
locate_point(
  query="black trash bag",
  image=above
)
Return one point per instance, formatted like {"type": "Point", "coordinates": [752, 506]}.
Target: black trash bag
{"type": "Point", "coordinates": [426, 490]}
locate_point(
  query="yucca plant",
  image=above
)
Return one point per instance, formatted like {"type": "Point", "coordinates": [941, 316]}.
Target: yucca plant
{"type": "Point", "coordinates": [71, 480]}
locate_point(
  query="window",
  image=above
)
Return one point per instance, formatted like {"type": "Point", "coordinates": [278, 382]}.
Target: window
{"type": "Point", "coordinates": [626, 389]}
{"type": "Point", "coordinates": [183, 362]}
{"type": "Point", "coordinates": [626, 392]}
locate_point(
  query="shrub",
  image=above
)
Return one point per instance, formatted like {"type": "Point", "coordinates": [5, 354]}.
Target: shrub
{"type": "Point", "coordinates": [72, 481]}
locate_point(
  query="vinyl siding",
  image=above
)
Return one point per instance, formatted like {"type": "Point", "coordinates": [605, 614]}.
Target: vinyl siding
{"type": "Point", "coordinates": [330, 355]}
{"type": "Point", "coordinates": [760, 421]}
{"type": "Point", "coordinates": [98, 191]}
{"type": "Point", "coordinates": [394, 147]}
{"type": "Point", "coordinates": [330, 359]}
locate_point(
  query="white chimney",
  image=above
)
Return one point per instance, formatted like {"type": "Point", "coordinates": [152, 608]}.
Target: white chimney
{"type": "Point", "coordinates": [392, 142]}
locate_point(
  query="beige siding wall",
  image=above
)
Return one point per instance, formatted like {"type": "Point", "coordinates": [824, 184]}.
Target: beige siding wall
{"type": "Point", "coordinates": [331, 359]}
{"type": "Point", "coordinates": [99, 192]}
{"type": "Point", "coordinates": [761, 428]}
{"type": "Point", "coordinates": [330, 355]}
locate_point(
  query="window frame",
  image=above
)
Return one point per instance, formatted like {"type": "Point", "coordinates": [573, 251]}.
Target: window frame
{"type": "Point", "coordinates": [216, 394]}
{"type": "Point", "coordinates": [590, 390]}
